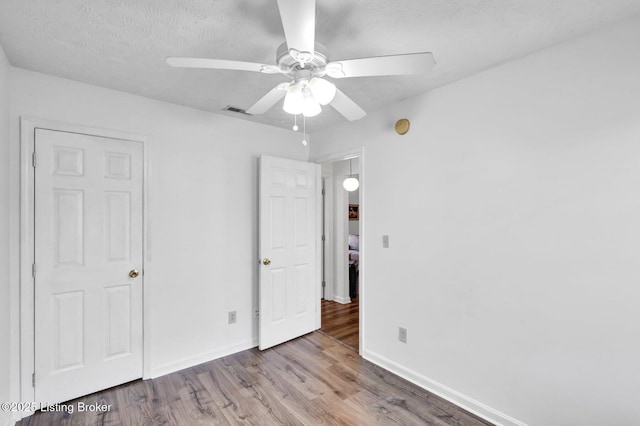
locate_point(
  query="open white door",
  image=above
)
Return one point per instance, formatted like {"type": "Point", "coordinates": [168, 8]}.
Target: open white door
{"type": "Point", "coordinates": [289, 281]}
{"type": "Point", "coordinates": [88, 254]}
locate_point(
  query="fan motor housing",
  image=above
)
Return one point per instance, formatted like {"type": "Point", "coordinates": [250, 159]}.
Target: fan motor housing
{"type": "Point", "coordinates": [315, 67]}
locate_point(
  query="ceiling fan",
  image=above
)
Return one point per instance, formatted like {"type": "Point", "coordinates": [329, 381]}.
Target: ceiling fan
{"type": "Point", "coordinates": [306, 64]}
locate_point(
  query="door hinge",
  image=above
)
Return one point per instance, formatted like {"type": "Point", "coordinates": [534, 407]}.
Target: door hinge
{"type": "Point", "coordinates": [324, 284]}
{"type": "Point", "coordinates": [33, 380]}
{"type": "Point", "coordinates": [324, 192]}
{"type": "Point", "coordinates": [34, 159]}
{"type": "Point", "coordinates": [33, 270]}
{"type": "Point", "coordinates": [323, 238]}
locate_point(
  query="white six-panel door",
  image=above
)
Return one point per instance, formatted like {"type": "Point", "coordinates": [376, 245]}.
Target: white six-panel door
{"type": "Point", "coordinates": [88, 238]}
{"type": "Point", "coordinates": [289, 281]}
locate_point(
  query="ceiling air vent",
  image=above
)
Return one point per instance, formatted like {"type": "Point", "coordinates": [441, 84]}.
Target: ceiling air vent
{"type": "Point", "coordinates": [235, 109]}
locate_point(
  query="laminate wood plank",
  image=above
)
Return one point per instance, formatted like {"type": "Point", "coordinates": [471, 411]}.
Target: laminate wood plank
{"type": "Point", "coordinates": [342, 321]}
{"type": "Point", "coordinates": [298, 386]}
{"type": "Point", "coordinates": [313, 380]}
{"type": "Point", "coordinates": [262, 385]}
{"type": "Point", "coordinates": [334, 383]}
{"type": "Point", "coordinates": [228, 397]}
{"type": "Point", "coordinates": [198, 393]}
{"type": "Point", "coordinates": [137, 404]}
{"type": "Point", "coordinates": [435, 406]}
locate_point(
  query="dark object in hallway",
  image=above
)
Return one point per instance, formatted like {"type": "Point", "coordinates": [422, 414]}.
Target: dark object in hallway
{"type": "Point", "coordinates": [353, 281]}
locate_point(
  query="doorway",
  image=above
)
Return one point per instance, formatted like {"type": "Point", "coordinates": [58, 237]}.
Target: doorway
{"type": "Point", "coordinates": [342, 266]}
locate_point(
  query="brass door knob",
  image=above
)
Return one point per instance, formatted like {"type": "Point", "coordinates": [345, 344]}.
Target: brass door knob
{"type": "Point", "coordinates": [266, 261]}
{"type": "Point", "coordinates": [133, 273]}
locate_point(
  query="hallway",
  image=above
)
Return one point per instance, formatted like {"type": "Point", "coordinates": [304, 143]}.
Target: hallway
{"type": "Point", "coordinates": [342, 321]}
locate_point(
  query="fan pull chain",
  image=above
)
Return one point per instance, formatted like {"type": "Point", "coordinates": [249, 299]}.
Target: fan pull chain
{"type": "Point", "coordinates": [295, 122]}
{"type": "Point", "coordinates": [304, 131]}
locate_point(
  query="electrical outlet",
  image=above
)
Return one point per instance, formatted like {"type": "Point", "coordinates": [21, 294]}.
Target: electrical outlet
{"type": "Point", "coordinates": [256, 313]}
{"type": "Point", "coordinates": [402, 334]}
{"type": "Point", "coordinates": [232, 317]}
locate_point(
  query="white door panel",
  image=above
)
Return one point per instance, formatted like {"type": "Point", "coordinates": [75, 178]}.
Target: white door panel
{"type": "Point", "coordinates": [289, 301]}
{"type": "Point", "coordinates": [88, 236]}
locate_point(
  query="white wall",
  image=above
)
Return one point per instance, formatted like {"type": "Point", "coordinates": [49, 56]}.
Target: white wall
{"type": "Point", "coordinates": [517, 273]}
{"type": "Point", "coordinates": [5, 417]}
{"type": "Point", "coordinates": [202, 209]}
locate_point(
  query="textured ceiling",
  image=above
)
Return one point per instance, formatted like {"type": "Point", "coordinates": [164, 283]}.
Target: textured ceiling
{"type": "Point", "coordinates": [122, 44]}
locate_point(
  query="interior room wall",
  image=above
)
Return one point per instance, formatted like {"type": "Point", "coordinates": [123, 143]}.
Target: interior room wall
{"type": "Point", "coordinates": [513, 213]}
{"type": "Point", "coordinates": [5, 417]}
{"type": "Point", "coordinates": [202, 229]}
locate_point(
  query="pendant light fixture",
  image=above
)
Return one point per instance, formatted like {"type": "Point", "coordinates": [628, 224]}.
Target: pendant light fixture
{"type": "Point", "coordinates": [351, 183]}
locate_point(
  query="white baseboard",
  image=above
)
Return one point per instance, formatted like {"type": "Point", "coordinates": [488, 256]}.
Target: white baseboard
{"type": "Point", "coordinates": [342, 300]}
{"type": "Point", "coordinates": [201, 358]}
{"type": "Point", "coordinates": [442, 391]}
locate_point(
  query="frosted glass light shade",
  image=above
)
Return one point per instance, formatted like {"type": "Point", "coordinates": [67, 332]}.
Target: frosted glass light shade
{"type": "Point", "coordinates": [294, 100]}
{"type": "Point", "coordinates": [350, 184]}
{"type": "Point", "coordinates": [311, 107]}
{"type": "Point", "coordinates": [323, 90]}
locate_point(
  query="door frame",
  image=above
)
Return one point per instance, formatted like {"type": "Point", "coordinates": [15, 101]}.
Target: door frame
{"type": "Point", "coordinates": [326, 265]}
{"type": "Point", "coordinates": [358, 152]}
{"type": "Point", "coordinates": [28, 126]}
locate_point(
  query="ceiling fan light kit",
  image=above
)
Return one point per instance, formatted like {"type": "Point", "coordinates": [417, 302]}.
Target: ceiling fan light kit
{"type": "Point", "coordinates": [305, 97]}
{"type": "Point", "coordinates": [305, 63]}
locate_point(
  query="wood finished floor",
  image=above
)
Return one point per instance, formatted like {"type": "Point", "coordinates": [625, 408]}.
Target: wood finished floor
{"type": "Point", "coordinates": [342, 321]}
{"type": "Point", "coordinates": [309, 381]}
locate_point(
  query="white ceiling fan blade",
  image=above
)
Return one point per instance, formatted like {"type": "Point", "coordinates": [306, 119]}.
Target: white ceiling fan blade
{"type": "Point", "coordinates": [269, 100]}
{"type": "Point", "coordinates": [299, 23]}
{"type": "Point", "coordinates": [220, 64]}
{"type": "Point", "coordinates": [345, 106]}
{"type": "Point", "coordinates": [411, 63]}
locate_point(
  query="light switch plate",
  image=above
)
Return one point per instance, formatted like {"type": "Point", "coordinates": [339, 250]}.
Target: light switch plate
{"type": "Point", "coordinates": [402, 334]}
{"type": "Point", "coordinates": [385, 241]}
